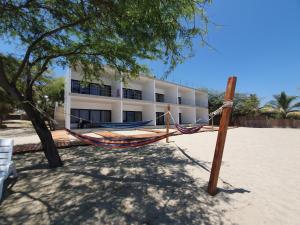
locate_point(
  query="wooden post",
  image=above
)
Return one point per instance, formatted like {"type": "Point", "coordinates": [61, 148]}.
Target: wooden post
{"type": "Point", "coordinates": [168, 122]}
{"type": "Point", "coordinates": [215, 170]}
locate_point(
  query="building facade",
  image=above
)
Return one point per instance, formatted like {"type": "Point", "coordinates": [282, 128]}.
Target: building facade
{"type": "Point", "coordinates": [144, 98]}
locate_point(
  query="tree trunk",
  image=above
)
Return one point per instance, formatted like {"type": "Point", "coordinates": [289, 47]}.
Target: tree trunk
{"type": "Point", "coordinates": [44, 134]}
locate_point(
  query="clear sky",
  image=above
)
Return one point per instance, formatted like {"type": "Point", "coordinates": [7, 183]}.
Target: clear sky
{"type": "Point", "coordinates": [259, 42]}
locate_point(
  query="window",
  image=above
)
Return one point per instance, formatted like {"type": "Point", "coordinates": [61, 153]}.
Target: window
{"type": "Point", "coordinates": [75, 86]}
{"type": "Point", "coordinates": [180, 118]}
{"type": "Point", "coordinates": [95, 116]}
{"type": "Point", "coordinates": [159, 97]}
{"type": "Point", "coordinates": [75, 115]}
{"type": "Point", "coordinates": [179, 100]}
{"type": "Point", "coordinates": [132, 116]}
{"type": "Point", "coordinates": [105, 116]}
{"type": "Point", "coordinates": [94, 89]}
{"type": "Point", "coordinates": [90, 118]}
{"type": "Point", "coordinates": [160, 119]}
{"type": "Point", "coordinates": [85, 89]}
{"type": "Point", "coordinates": [105, 90]}
{"type": "Point", "coordinates": [132, 94]}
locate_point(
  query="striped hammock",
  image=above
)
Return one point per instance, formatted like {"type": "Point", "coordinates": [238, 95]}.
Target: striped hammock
{"type": "Point", "coordinates": [188, 130]}
{"type": "Point", "coordinates": [121, 142]}
{"type": "Point", "coordinates": [124, 125]}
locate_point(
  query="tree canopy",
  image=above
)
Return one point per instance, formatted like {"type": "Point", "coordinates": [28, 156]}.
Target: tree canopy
{"type": "Point", "coordinates": [89, 35]}
{"type": "Point", "coordinates": [97, 33]}
{"type": "Point", "coordinates": [282, 106]}
{"type": "Point", "coordinates": [243, 104]}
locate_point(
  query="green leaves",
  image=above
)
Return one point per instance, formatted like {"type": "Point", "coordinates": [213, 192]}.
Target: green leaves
{"type": "Point", "coordinates": [116, 33]}
{"type": "Point", "coordinates": [282, 105]}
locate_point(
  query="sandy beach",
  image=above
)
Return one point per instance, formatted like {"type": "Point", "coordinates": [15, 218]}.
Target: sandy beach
{"type": "Point", "coordinates": [163, 183]}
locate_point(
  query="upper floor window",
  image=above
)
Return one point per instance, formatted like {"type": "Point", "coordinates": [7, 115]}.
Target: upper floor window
{"type": "Point", "coordinates": [159, 97]}
{"type": "Point", "coordinates": [179, 100]}
{"type": "Point", "coordinates": [75, 86]}
{"type": "Point", "coordinates": [105, 90]}
{"type": "Point", "coordinates": [132, 94]}
{"type": "Point", "coordinates": [85, 89]}
{"type": "Point", "coordinates": [93, 89]}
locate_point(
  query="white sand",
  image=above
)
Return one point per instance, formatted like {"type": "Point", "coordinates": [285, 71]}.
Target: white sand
{"type": "Point", "coordinates": [265, 162]}
{"type": "Point", "coordinates": [158, 184]}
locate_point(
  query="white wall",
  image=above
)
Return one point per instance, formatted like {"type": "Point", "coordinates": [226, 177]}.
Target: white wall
{"type": "Point", "coordinates": [171, 94]}
{"type": "Point", "coordinates": [188, 97]}
{"type": "Point", "coordinates": [202, 114]}
{"type": "Point", "coordinates": [201, 99]}
{"type": "Point", "coordinates": [149, 113]}
{"type": "Point", "coordinates": [175, 114]}
{"type": "Point", "coordinates": [148, 90]}
{"type": "Point", "coordinates": [81, 104]}
{"type": "Point", "coordinates": [188, 115]}
{"type": "Point", "coordinates": [117, 112]}
{"type": "Point", "coordinates": [128, 107]}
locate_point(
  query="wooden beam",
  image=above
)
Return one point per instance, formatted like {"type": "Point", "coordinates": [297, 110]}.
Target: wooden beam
{"type": "Point", "coordinates": [168, 122]}
{"type": "Point", "coordinates": [215, 170]}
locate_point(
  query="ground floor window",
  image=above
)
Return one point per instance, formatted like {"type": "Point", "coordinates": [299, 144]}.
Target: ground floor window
{"type": "Point", "coordinates": [180, 118]}
{"type": "Point", "coordinates": [86, 118]}
{"type": "Point", "coordinates": [132, 116]}
{"type": "Point", "coordinates": [160, 119]}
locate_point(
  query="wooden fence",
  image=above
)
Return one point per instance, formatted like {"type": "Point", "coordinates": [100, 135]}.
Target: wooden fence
{"type": "Point", "coordinates": [265, 122]}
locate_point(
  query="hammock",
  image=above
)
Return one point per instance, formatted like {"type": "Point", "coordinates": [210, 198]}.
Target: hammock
{"type": "Point", "coordinates": [123, 125]}
{"type": "Point", "coordinates": [188, 130]}
{"type": "Point", "coordinates": [122, 142]}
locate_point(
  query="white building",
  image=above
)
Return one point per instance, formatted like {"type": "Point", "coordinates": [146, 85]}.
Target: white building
{"type": "Point", "coordinates": [144, 98]}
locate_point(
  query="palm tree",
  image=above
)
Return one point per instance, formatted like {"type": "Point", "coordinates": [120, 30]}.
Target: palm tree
{"type": "Point", "coordinates": [282, 105]}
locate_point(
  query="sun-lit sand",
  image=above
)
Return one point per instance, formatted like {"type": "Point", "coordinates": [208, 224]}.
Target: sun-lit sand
{"type": "Point", "coordinates": [163, 183]}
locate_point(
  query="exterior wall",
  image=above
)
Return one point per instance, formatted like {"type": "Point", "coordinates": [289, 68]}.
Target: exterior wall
{"type": "Point", "coordinates": [116, 113]}
{"type": "Point", "coordinates": [193, 106]}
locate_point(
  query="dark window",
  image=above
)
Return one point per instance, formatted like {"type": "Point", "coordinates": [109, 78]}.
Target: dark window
{"type": "Point", "coordinates": [85, 89]}
{"type": "Point", "coordinates": [94, 89]}
{"type": "Point", "coordinates": [90, 118]}
{"type": "Point", "coordinates": [105, 90]}
{"type": "Point", "coordinates": [160, 119]}
{"type": "Point", "coordinates": [132, 94]}
{"type": "Point", "coordinates": [159, 97]}
{"type": "Point", "coordinates": [179, 100]}
{"type": "Point", "coordinates": [105, 116]}
{"type": "Point", "coordinates": [84, 114]}
{"type": "Point", "coordinates": [180, 118]}
{"type": "Point", "coordinates": [132, 116]}
{"type": "Point", "coordinates": [75, 115]}
{"type": "Point", "coordinates": [75, 86]}
{"type": "Point", "coordinates": [95, 116]}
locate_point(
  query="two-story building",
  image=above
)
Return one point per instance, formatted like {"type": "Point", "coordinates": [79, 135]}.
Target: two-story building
{"type": "Point", "coordinates": [144, 98]}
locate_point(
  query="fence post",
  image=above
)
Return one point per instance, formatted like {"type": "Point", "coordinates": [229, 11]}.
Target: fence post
{"type": "Point", "coordinates": [226, 112]}
{"type": "Point", "coordinates": [168, 122]}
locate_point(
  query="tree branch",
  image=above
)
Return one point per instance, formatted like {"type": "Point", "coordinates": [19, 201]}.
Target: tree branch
{"type": "Point", "coordinates": [12, 90]}
{"type": "Point", "coordinates": [34, 43]}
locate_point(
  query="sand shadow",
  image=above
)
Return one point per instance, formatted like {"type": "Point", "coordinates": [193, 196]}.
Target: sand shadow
{"type": "Point", "coordinates": [147, 185]}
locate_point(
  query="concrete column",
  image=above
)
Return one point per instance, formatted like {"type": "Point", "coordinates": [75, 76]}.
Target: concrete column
{"type": "Point", "coordinates": [149, 114]}
{"type": "Point", "coordinates": [117, 112]}
{"type": "Point", "coordinates": [67, 99]}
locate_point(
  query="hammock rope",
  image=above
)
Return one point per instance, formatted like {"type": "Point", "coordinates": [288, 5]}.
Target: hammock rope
{"type": "Point", "coordinates": [195, 129]}
{"type": "Point", "coordinates": [118, 143]}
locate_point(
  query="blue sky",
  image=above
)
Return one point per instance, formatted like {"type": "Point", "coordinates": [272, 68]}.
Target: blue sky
{"type": "Point", "coordinates": [259, 42]}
